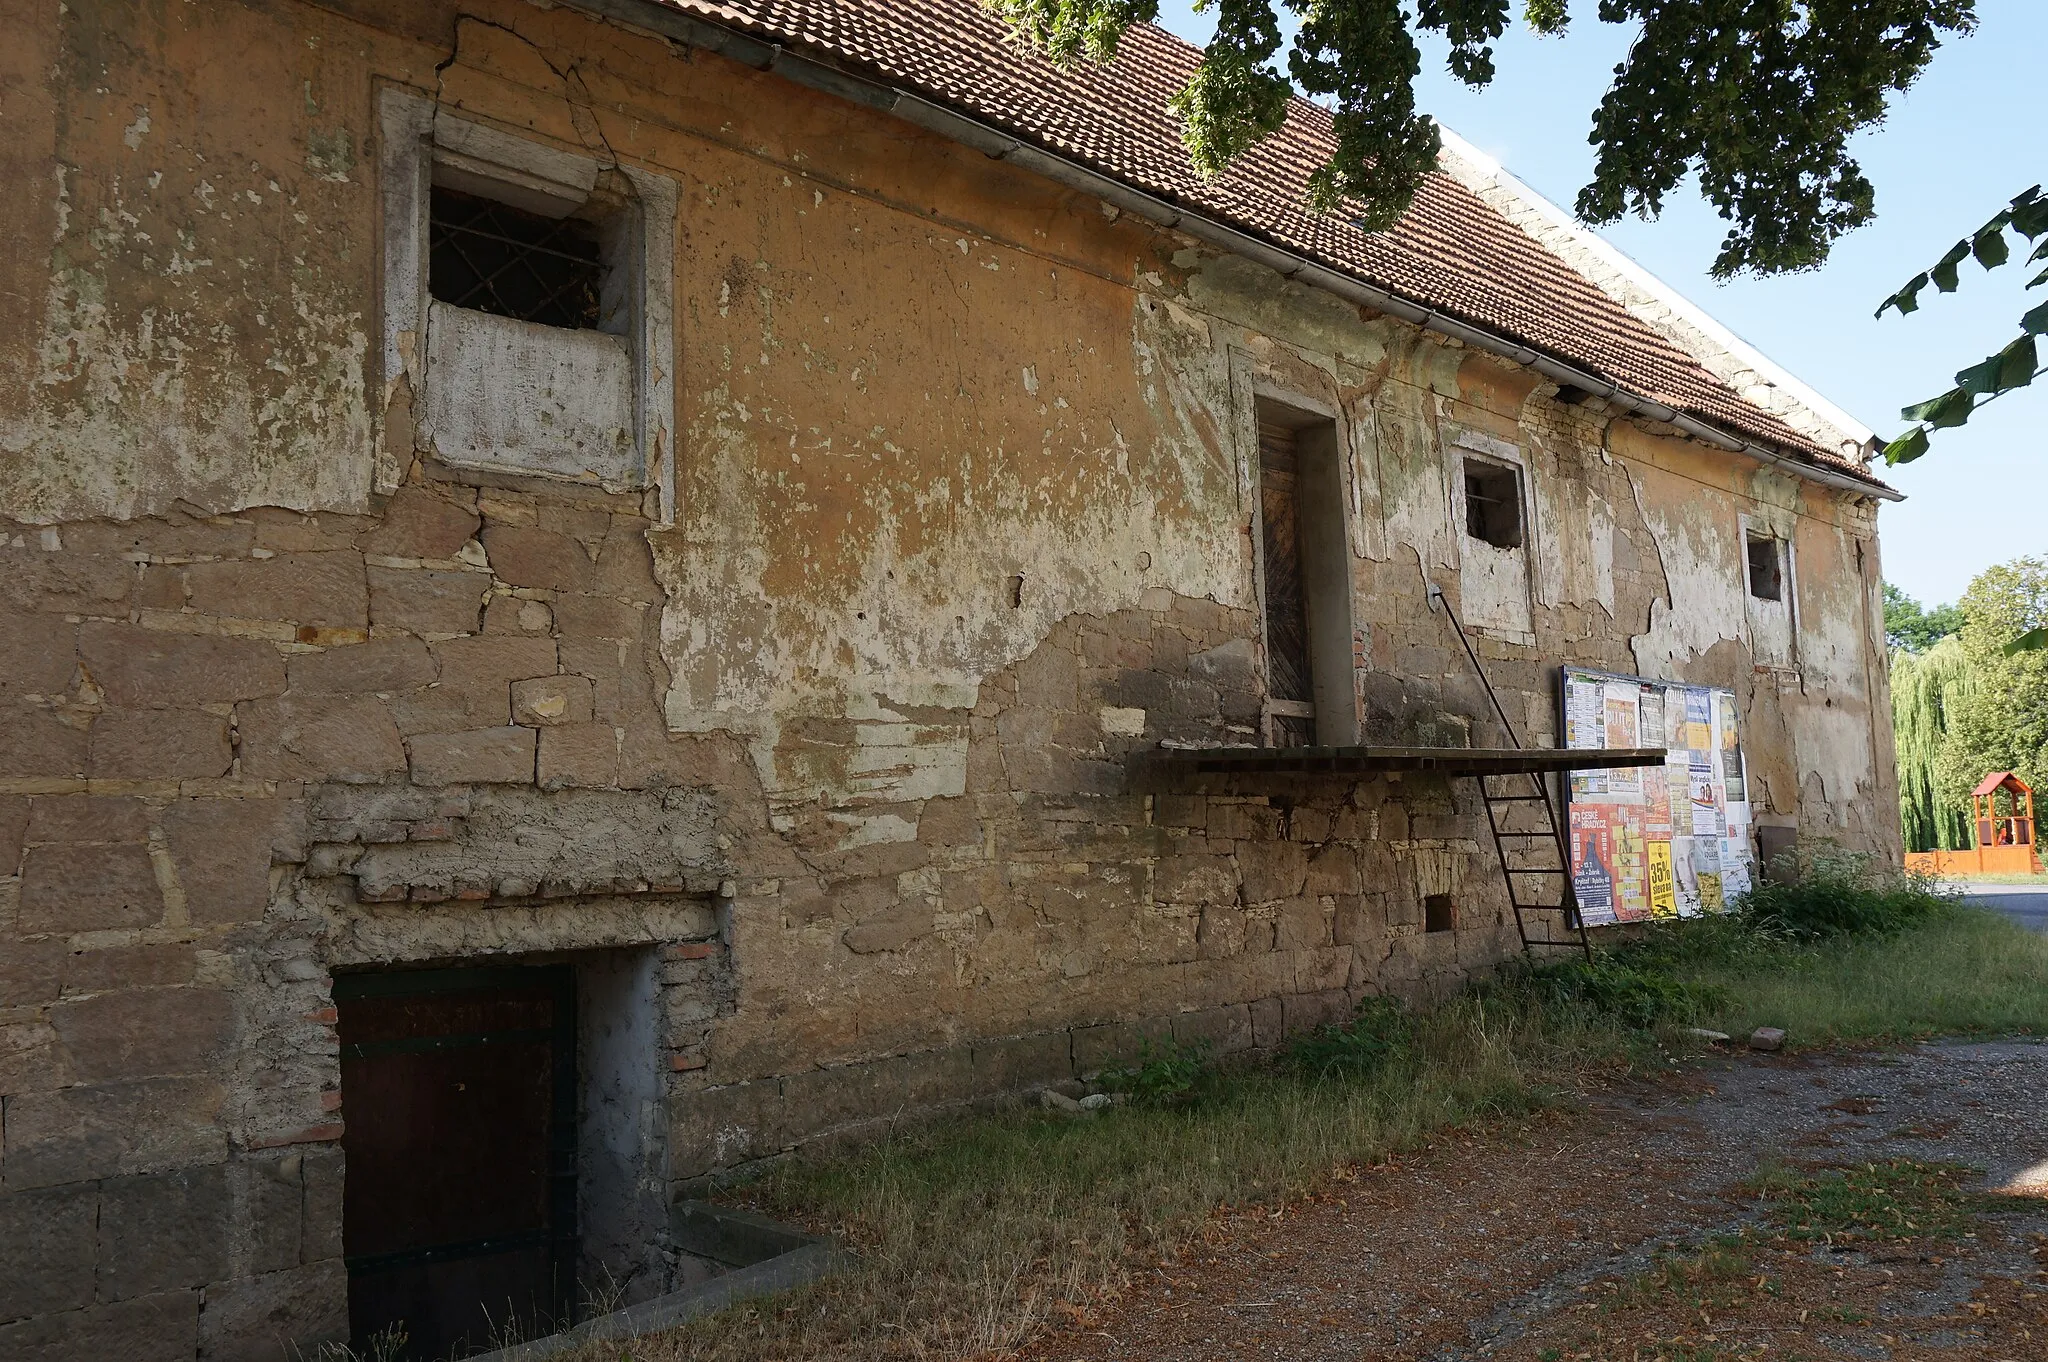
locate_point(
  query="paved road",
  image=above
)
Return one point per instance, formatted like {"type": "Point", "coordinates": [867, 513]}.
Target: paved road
{"type": "Point", "coordinates": [2025, 904]}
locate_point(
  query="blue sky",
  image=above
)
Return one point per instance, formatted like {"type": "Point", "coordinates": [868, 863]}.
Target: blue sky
{"type": "Point", "coordinates": [1955, 149]}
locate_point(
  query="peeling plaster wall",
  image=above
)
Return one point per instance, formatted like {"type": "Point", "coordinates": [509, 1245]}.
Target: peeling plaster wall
{"type": "Point", "coordinates": [834, 770]}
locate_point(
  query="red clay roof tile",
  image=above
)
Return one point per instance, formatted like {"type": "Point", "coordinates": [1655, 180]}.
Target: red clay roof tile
{"type": "Point", "coordinates": [1451, 251]}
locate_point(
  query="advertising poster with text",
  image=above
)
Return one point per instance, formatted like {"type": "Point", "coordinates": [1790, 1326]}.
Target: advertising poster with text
{"type": "Point", "coordinates": [1656, 841]}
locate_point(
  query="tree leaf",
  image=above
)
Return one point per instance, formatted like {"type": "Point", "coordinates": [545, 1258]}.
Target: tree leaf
{"type": "Point", "coordinates": [1944, 272]}
{"type": "Point", "coordinates": [1906, 299]}
{"type": "Point", "coordinates": [1907, 447]}
{"type": "Point", "coordinates": [2035, 321]}
{"type": "Point", "coordinates": [1989, 244]}
{"type": "Point", "coordinates": [2012, 367]}
{"type": "Point", "coordinates": [1952, 408]}
{"type": "Point", "coordinates": [2032, 641]}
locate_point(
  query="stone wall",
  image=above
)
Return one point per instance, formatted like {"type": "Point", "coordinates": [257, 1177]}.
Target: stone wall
{"type": "Point", "coordinates": [843, 737]}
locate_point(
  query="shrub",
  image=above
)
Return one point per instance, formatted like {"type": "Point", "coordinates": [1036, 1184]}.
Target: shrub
{"type": "Point", "coordinates": [1832, 893]}
{"type": "Point", "coordinates": [1163, 1074]}
{"type": "Point", "coordinates": [1623, 984]}
{"type": "Point", "coordinates": [1379, 1031]}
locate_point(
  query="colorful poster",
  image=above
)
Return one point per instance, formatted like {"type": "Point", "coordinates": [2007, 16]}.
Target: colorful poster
{"type": "Point", "coordinates": [1593, 863]}
{"type": "Point", "coordinates": [1663, 902]}
{"type": "Point", "coordinates": [1651, 842]}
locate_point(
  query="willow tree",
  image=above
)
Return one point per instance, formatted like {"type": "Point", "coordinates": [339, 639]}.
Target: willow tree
{"type": "Point", "coordinates": [1927, 687]}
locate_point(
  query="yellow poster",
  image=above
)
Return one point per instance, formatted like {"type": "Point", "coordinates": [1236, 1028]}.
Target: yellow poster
{"type": "Point", "coordinates": [1710, 891]}
{"type": "Point", "coordinates": [1662, 902]}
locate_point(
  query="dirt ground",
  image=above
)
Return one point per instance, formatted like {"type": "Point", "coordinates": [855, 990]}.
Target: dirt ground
{"type": "Point", "coordinates": [1633, 1230]}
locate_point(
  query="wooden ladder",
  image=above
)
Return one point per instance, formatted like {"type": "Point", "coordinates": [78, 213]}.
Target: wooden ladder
{"type": "Point", "coordinates": [1528, 839]}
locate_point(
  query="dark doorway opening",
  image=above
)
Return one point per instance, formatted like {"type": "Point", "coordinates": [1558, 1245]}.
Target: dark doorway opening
{"type": "Point", "coordinates": [1304, 580]}
{"type": "Point", "coordinates": [460, 1098]}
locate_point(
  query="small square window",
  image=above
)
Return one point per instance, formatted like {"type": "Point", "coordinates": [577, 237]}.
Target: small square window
{"type": "Point", "coordinates": [1766, 569]}
{"type": "Point", "coordinates": [1493, 503]}
{"type": "Point", "coordinates": [1439, 913]}
{"type": "Point", "coordinates": [492, 257]}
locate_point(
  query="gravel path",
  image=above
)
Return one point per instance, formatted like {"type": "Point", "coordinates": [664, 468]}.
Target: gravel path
{"type": "Point", "coordinates": [1523, 1244]}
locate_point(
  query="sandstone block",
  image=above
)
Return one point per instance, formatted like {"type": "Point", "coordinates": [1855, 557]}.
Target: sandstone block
{"type": "Point", "coordinates": [143, 1032]}
{"type": "Point", "coordinates": [222, 848]}
{"type": "Point", "coordinates": [584, 755]}
{"type": "Point", "coordinates": [49, 1236]}
{"type": "Point", "coordinates": [38, 655]}
{"type": "Point", "coordinates": [1225, 1030]}
{"type": "Point", "coordinates": [1117, 1043]}
{"type": "Point", "coordinates": [427, 601]}
{"type": "Point", "coordinates": [121, 967]}
{"type": "Point", "coordinates": [1333, 869]}
{"type": "Point", "coordinates": [151, 669]}
{"type": "Point", "coordinates": [14, 818]}
{"type": "Point", "coordinates": [37, 742]}
{"type": "Point", "coordinates": [348, 738]}
{"type": "Point", "coordinates": [84, 888]}
{"type": "Point", "coordinates": [625, 564]}
{"type": "Point", "coordinates": [320, 589]}
{"type": "Point", "coordinates": [892, 933]}
{"type": "Point", "coordinates": [544, 700]}
{"type": "Point", "coordinates": [31, 972]}
{"type": "Point", "coordinates": [598, 617]}
{"type": "Point", "coordinates": [320, 1226]}
{"type": "Point", "coordinates": [1195, 879]}
{"type": "Point", "coordinates": [379, 666]}
{"type": "Point", "coordinates": [65, 583]}
{"type": "Point", "coordinates": [602, 660]}
{"type": "Point", "coordinates": [719, 1127]}
{"type": "Point", "coordinates": [159, 1328]}
{"type": "Point", "coordinates": [88, 818]}
{"type": "Point", "coordinates": [1220, 933]}
{"type": "Point", "coordinates": [516, 615]}
{"type": "Point", "coordinates": [485, 756]}
{"type": "Point", "coordinates": [480, 671]}
{"type": "Point", "coordinates": [276, 1317]}
{"type": "Point", "coordinates": [112, 1128]}
{"type": "Point", "coordinates": [1049, 679]}
{"type": "Point", "coordinates": [159, 744]}
{"type": "Point", "coordinates": [526, 556]}
{"type": "Point", "coordinates": [163, 1230]}
{"type": "Point", "coordinates": [1020, 1061]}
{"type": "Point", "coordinates": [418, 524]}
{"type": "Point", "coordinates": [1303, 925]}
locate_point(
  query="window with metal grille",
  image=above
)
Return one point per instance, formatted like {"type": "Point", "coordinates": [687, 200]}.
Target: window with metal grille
{"type": "Point", "coordinates": [1766, 570]}
{"type": "Point", "coordinates": [492, 257]}
{"type": "Point", "coordinates": [1493, 504]}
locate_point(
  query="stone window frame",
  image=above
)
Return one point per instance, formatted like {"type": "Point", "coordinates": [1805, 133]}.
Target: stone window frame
{"type": "Point", "coordinates": [418, 135]}
{"type": "Point", "coordinates": [1460, 444]}
{"type": "Point", "coordinates": [1779, 529]}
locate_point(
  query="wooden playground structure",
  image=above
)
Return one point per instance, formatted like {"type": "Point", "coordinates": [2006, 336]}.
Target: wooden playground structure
{"type": "Point", "coordinates": [2003, 806]}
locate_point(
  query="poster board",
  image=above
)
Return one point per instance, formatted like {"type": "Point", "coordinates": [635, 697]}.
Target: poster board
{"type": "Point", "coordinates": [1670, 841]}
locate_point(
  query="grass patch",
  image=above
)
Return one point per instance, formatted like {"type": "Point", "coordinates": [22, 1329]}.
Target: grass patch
{"type": "Point", "coordinates": [1881, 1203]}
{"type": "Point", "coordinates": [1719, 1273]}
{"type": "Point", "coordinates": [974, 1235]}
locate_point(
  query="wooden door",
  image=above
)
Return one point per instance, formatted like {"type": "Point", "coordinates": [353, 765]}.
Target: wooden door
{"type": "Point", "coordinates": [1290, 686]}
{"type": "Point", "coordinates": [459, 1209]}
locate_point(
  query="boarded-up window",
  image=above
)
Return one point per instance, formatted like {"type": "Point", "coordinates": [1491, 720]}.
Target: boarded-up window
{"type": "Point", "coordinates": [1289, 679]}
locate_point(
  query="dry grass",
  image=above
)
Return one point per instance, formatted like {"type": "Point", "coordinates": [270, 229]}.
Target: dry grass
{"type": "Point", "coordinates": [973, 1235]}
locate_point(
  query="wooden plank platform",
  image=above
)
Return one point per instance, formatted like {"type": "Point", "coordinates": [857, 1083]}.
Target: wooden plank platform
{"type": "Point", "coordinates": [1366, 761]}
